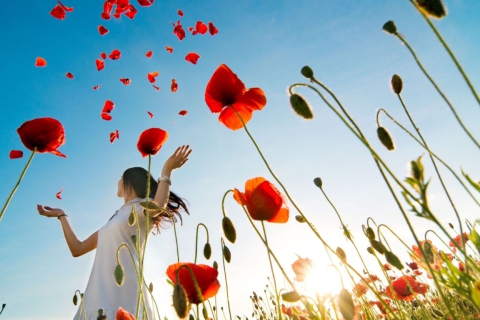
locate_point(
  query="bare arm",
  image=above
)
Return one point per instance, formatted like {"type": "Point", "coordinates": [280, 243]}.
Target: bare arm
{"type": "Point", "coordinates": [77, 247]}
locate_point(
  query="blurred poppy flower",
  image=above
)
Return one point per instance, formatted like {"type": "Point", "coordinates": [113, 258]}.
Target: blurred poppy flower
{"type": "Point", "coordinates": [149, 54]}
{"type": "Point", "coordinates": [387, 266]}
{"type": "Point", "coordinates": [114, 135]}
{"type": "Point", "coordinates": [145, 3]}
{"type": "Point", "coordinates": [174, 86]}
{"type": "Point", "coordinates": [225, 89]}
{"type": "Point", "coordinates": [212, 29]}
{"type": "Point", "coordinates": [180, 13]}
{"type": "Point", "coordinates": [205, 276]}
{"type": "Point", "coordinates": [151, 141]}
{"type": "Point", "coordinates": [100, 64]}
{"type": "Point", "coordinates": [169, 49]}
{"type": "Point", "coordinates": [114, 55]}
{"type": "Point", "coordinates": [302, 267]}
{"type": "Point", "coordinates": [150, 114]}
{"type": "Point", "coordinates": [40, 62]}
{"type": "Point", "coordinates": [435, 260]}
{"type": "Point", "coordinates": [96, 87]}
{"type": "Point", "coordinates": [59, 11]}
{"type": "Point", "coordinates": [201, 27]}
{"type": "Point", "coordinates": [152, 75]}
{"type": "Point", "coordinates": [461, 266]}
{"type": "Point", "coordinates": [46, 134]}
{"type": "Point", "coordinates": [156, 88]}
{"type": "Point", "coordinates": [263, 201]}
{"type": "Point", "coordinates": [58, 195]}
{"type": "Point", "coordinates": [178, 30]}
{"type": "Point", "coordinates": [69, 75]}
{"type": "Point", "coordinates": [102, 30]}
{"type": "Point", "coordinates": [123, 314]}
{"type": "Point", "coordinates": [359, 289]}
{"type": "Point", "coordinates": [103, 55]}
{"type": "Point", "coordinates": [192, 57]}
{"type": "Point", "coordinates": [125, 81]}
{"type": "Point", "coordinates": [405, 287]}
{"type": "Point", "coordinates": [183, 112]}
{"type": "Point", "coordinates": [458, 240]}
{"type": "Point", "coordinates": [16, 154]}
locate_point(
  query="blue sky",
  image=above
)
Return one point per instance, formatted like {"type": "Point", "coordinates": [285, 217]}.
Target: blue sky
{"type": "Point", "coordinates": [266, 44]}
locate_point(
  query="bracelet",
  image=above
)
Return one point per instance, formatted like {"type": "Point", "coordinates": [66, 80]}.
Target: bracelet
{"type": "Point", "coordinates": [62, 215]}
{"type": "Point", "coordinates": [166, 179]}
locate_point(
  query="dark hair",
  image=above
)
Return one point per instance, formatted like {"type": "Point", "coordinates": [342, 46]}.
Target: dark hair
{"type": "Point", "coordinates": [135, 179]}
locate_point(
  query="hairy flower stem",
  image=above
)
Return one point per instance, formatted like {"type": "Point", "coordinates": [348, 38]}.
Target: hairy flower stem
{"type": "Point", "coordinates": [223, 202]}
{"type": "Point", "coordinates": [226, 282]}
{"type": "Point", "coordinates": [450, 52]}
{"type": "Point", "coordinates": [450, 105]}
{"type": "Point", "coordinates": [18, 183]}
{"type": "Point", "coordinates": [273, 273]}
{"type": "Point", "coordinates": [196, 239]}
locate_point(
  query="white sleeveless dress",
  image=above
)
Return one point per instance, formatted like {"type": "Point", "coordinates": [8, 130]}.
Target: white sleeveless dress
{"type": "Point", "coordinates": [102, 291]}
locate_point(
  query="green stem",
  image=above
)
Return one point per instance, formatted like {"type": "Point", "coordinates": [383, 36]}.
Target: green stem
{"type": "Point", "coordinates": [226, 282]}
{"type": "Point", "coordinates": [273, 273]}
{"type": "Point", "coordinates": [18, 183]}
{"type": "Point", "coordinates": [194, 280]}
{"type": "Point", "coordinates": [223, 202]}
{"type": "Point", "coordinates": [196, 239]}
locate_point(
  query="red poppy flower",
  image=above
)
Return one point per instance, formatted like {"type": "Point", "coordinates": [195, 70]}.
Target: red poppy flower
{"type": "Point", "coordinates": [40, 62]}
{"type": "Point", "coordinates": [132, 11]}
{"type": "Point", "coordinates": [151, 141]}
{"type": "Point", "coordinates": [169, 49]}
{"type": "Point", "coordinates": [59, 194]}
{"type": "Point", "coordinates": [458, 240]}
{"type": "Point", "coordinates": [360, 289]}
{"type": "Point", "coordinates": [114, 135]}
{"type": "Point", "coordinates": [225, 89]}
{"type": "Point", "coordinates": [47, 134]}
{"type": "Point", "coordinates": [192, 57]}
{"type": "Point", "coordinates": [149, 54]}
{"type": "Point", "coordinates": [205, 276]}
{"type": "Point", "coordinates": [387, 266]}
{"type": "Point", "coordinates": [123, 314]}
{"type": "Point", "coordinates": [103, 55]}
{"type": "Point", "coordinates": [180, 13]}
{"type": "Point", "coordinates": [183, 112]}
{"type": "Point", "coordinates": [69, 75]}
{"type": "Point", "coordinates": [150, 114]}
{"type": "Point", "coordinates": [125, 81]}
{"type": "Point", "coordinates": [174, 86]}
{"type": "Point", "coordinates": [145, 3]}
{"type": "Point", "coordinates": [263, 201]}
{"type": "Point", "coordinates": [96, 87]}
{"type": "Point", "coordinates": [156, 88]}
{"type": "Point", "coordinates": [178, 30]}
{"type": "Point", "coordinates": [16, 154]}
{"type": "Point", "coordinates": [114, 55]}
{"type": "Point", "coordinates": [100, 64]}
{"type": "Point", "coordinates": [103, 31]}
{"type": "Point", "coordinates": [59, 11]}
{"type": "Point", "coordinates": [212, 29]}
{"type": "Point", "coordinates": [405, 287]}
{"type": "Point", "coordinates": [152, 75]}
{"type": "Point", "coordinates": [302, 267]}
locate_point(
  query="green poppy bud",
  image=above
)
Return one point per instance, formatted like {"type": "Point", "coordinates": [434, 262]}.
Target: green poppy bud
{"type": "Point", "coordinates": [318, 182]}
{"type": "Point", "coordinates": [393, 260]}
{"type": "Point", "coordinates": [307, 72]}
{"type": "Point", "coordinates": [150, 287]}
{"type": "Point", "coordinates": [370, 233]}
{"type": "Point", "coordinates": [451, 225]}
{"type": "Point", "coordinates": [132, 218]}
{"type": "Point", "coordinates": [191, 317]}
{"type": "Point", "coordinates": [207, 251]}
{"type": "Point", "coordinates": [300, 218]}
{"type": "Point", "coordinates": [118, 273]}
{"type": "Point", "coordinates": [229, 229]}
{"type": "Point", "coordinates": [134, 239]}
{"type": "Point", "coordinates": [215, 265]}
{"type": "Point", "coordinates": [370, 250]}
{"type": "Point", "coordinates": [205, 313]}
{"type": "Point", "coordinates": [75, 299]}
{"type": "Point", "coordinates": [180, 301]}
{"type": "Point", "coordinates": [345, 304]}
{"type": "Point", "coordinates": [417, 169]}
{"type": "Point", "coordinates": [428, 252]}
{"type": "Point", "coordinates": [432, 8]}
{"type": "Point", "coordinates": [300, 106]}
{"type": "Point", "coordinates": [101, 314]}
{"type": "Point", "coordinates": [341, 254]}
{"type": "Point", "coordinates": [396, 84]}
{"type": "Point", "coordinates": [390, 27]}
{"type": "Point", "coordinates": [227, 254]}
{"type": "Point", "coordinates": [291, 296]}
{"type": "Point", "coordinates": [378, 246]}
{"type": "Point", "coordinates": [385, 138]}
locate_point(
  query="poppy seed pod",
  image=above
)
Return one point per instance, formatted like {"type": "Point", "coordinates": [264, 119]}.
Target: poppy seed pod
{"type": "Point", "coordinates": [229, 229]}
{"type": "Point", "coordinates": [300, 218]}
{"type": "Point", "coordinates": [432, 8]}
{"type": "Point", "coordinates": [318, 182]}
{"type": "Point", "coordinates": [118, 273]}
{"type": "Point", "coordinates": [227, 254]}
{"type": "Point", "coordinates": [345, 303]}
{"type": "Point", "coordinates": [300, 106]}
{"type": "Point", "coordinates": [75, 299]}
{"type": "Point", "coordinates": [385, 138]}
{"type": "Point", "coordinates": [390, 27]}
{"type": "Point", "coordinates": [180, 301]}
{"type": "Point", "coordinates": [341, 254]}
{"type": "Point", "coordinates": [207, 251]}
{"type": "Point", "coordinates": [378, 246]}
{"type": "Point", "coordinates": [396, 84]}
{"type": "Point", "coordinates": [307, 72]}
{"type": "Point", "coordinates": [292, 296]}
{"type": "Point", "coordinates": [393, 260]}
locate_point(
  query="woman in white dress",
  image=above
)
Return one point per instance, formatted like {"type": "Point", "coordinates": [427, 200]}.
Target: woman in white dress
{"type": "Point", "coordinates": [102, 291]}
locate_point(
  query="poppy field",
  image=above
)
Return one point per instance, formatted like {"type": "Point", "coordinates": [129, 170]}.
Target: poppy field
{"type": "Point", "coordinates": [321, 185]}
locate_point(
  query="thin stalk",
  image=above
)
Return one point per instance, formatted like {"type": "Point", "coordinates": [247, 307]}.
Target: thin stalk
{"type": "Point", "coordinates": [223, 202]}
{"type": "Point", "coordinates": [196, 239]}
{"type": "Point", "coordinates": [226, 282]}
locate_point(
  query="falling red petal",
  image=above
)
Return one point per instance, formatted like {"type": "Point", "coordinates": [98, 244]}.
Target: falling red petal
{"type": "Point", "coordinates": [192, 57]}
{"type": "Point", "coordinates": [174, 86]}
{"type": "Point", "coordinates": [156, 88]}
{"type": "Point", "coordinates": [58, 12]}
{"type": "Point", "coordinates": [64, 7]}
{"type": "Point", "coordinates": [201, 27]}
{"type": "Point", "coordinates": [103, 55]}
{"type": "Point", "coordinates": [149, 54]}
{"type": "Point", "coordinates": [125, 81]}
{"type": "Point", "coordinates": [150, 114]}
{"type": "Point", "coordinates": [106, 116]}
{"type": "Point", "coordinates": [180, 13]}
{"type": "Point", "coordinates": [107, 9]}
{"type": "Point", "coordinates": [145, 3]}
{"type": "Point", "coordinates": [115, 54]}
{"type": "Point", "coordinates": [178, 30]}
{"type": "Point", "coordinates": [190, 29]}
{"type": "Point", "coordinates": [58, 194]}
{"type": "Point", "coordinates": [16, 154]}
{"type": "Point", "coordinates": [151, 76]}
{"type": "Point", "coordinates": [131, 12]}
{"type": "Point", "coordinates": [183, 112]}
{"type": "Point", "coordinates": [114, 135]}
{"type": "Point", "coordinates": [102, 30]}
{"type": "Point", "coordinates": [69, 75]}
{"type": "Point", "coordinates": [212, 29]}
{"type": "Point", "coordinates": [100, 64]}
{"type": "Point", "coordinates": [96, 87]}
{"type": "Point", "coordinates": [40, 62]}
{"type": "Point", "coordinates": [169, 49]}
{"type": "Point", "coordinates": [108, 106]}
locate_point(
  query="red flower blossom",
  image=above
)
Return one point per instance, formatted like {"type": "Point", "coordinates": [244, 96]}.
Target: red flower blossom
{"type": "Point", "coordinates": [263, 201]}
{"type": "Point", "coordinates": [114, 135]}
{"type": "Point", "coordinates": [205, 276]}
{"type": "Point", "coordinates": [103, 31]}
{"type": "Point", "coordinates": [201, 27]}
{"type": "Point", "coordinates": [149, 54]}
{"type": "Point", "coordinates": [212, 29]}
{"type": "Point", "coordinates": [59, 11]}
{"type": "Point", "coordinates": [178, 30]}
{"type": "Point", "coordinates": [152, 75]}
{"type": "Point", "coordinates": [151, 141]}
{"type": "Point", "coordinates": [458, 240]}
{"type": "Point", "coordinates": [180, 13]}
{"type": "Point", "coordinates": [156, 88]}
{"type": "Point", "coordinates": [225, 89]}
{"type": "Point", "coordinates": [387, 266]}
{"type": "Point", "coordinates": [461, 266]}
{"type": "Point", "coordinates": [150, 114]}
{"type": "Point", "coordinates": [192, 57]}
{"type": "Point", "coordinates": [16, 154]}
{"type": "Point", "coordinates": [132, 11]}
{"type": "Point", "coordinates": [114, 55]}
{"type": "Point", "coordinates": [103, 55]}
{"type": "Point", "coordinates": [405, 287]}
{"type": "Point", "coordinates": [59, 194]}
{"type": "Point", "coordinates": [360, 289]}
{"type": "Point", "coordinates": [174, 86]}
{"type": "Point", "coordinates": [169, 49]}
{"type": "Point", "coordinates": [96, 87]}
{"type": "Point", "coordinates": [145, 3]}
{"type": "Point", "coordinates": [302, 267]}
{"type": "Point", "coordinates": [380, 305]}
{"type": "Point", "coordinates": [69, 75]}
{"type": "Point", "coordinates": [422, 262]}
{"type": "Point", "coordinates": [46, 134]}
{"type": "Point", "coordinates": [183, 112]}
{"type": "Point", "coordinates": [40, 62]}
{"type": "Point", "coordinates": [125, 81]}
{"type": "Point", "coordinates": [123, 314]}
{"type": "Point", "coordinates": [100, 64]}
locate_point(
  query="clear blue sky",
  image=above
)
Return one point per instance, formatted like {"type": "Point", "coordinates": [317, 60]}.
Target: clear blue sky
{"type": "Point", "coordinates": [266, 43]}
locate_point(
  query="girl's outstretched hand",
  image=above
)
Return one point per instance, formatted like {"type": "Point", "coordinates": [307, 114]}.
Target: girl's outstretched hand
{"type": "Point", "coordinates": [177, 159]}
{"type": "Point", "coordinates": [49, 212]}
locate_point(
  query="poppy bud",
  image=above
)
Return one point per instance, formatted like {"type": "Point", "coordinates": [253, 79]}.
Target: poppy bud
{"type": "Point", "coordinates": [345, 303]}
{"type": "Point", "coordinates": [191, 317]}
{"type": "Point", "coordinates": [227, 254]}
{"type": "Point", "coordinates": [437, 313]}
{"type": "Point", "coordinates": [118, 273]}
{"type": "Point", "coordinates": [396, 84]}
{"type": "Point", "coordinates": [417, 169]}
{"type": "Point", "coordinates": [300, 218]}
{"type": "Point", "coordinates": [205, 313]}
{"type": "Point", "coordinates": [132, 218]}
{"type": "Point", "coordinates": [307, 72]}
{"type": "Point", "coordinates": [134, 240]}
{"type": "Point", "coordinates": [451, 225]}
{"type": "Point", "coordinates": [207, 251]}
{"type": "Point", "coordinates": [180, 301]}
{"type": "Point", "coordinates": [101, 314]}
{"type": "Point", "coordinates": [378, 246]}
{"type": "Point", "coordinates": [431, 8]}
{"type": "Point", "coordinates": [370, 233]}
{"type": "Point", "coordinates": [300, 106]}
{"type": "Point", "coordinates": [150, 287]}
{"type": "Point", "coordinates": [393, 260]}
{"type": "Point", "coordinates": [75, 299]}
{"type": "Point", "coordinates": [341, 254]}
{"type": "Point", "coordinates": [229, 229]}
{"type": "Point", "coordinates": [390, 27]}
{"type": "Point", "coordinates": [215, 265]}
{"type": "Point", "coordinates": [318, 182]}
{"type": "Point", "coordinates": [292, 296]}
{"type": "Point", "coordinates": [428, 252]}
{"type": "Point", "coordinates": [370, 250]}
{"type": "Point", "coordinates": [385, 138]}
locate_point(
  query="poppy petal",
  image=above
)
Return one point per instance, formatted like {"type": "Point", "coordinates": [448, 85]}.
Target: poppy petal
{"type": "Point", "coordinates": [57, 153]}
{"type": "Point", "coordinates": [58, 12]}
{"type": "Point", "coordinates": [169, 49]}
{"type": "Point", "coordinates": [100, 64]}
{"type": "Point", "coordinates": [59, 194]}
{"type": "Point", "coordinates": [145, 3]}
{"type": "Point", "coordinates": [44, 134]}
{"type": "Point", "coordinates": [239, 197]}
{"type": "Point", "coordinates": [152, 75]}
{"type": "Point", "coordinates": [174, 86]}
{"type": "Point", "coordinates": [253, 98]}
{"type": "Point", "coordinates": [125, 81]}
{"type": "Point", "coordinates": [123, 314]}
{"type": "Point", "coordinates": [180, 13]}
{"type": "Point", "coordinates": [102, 30]}
{"type": "Point", "coordinates": [201, 27]}
{"type": "Point", "coordinates": [103, 55]}
{"type": "Point", "coordinates": [67, 9]}
{"type": "Point", "coordinates": [178, 30]}
{"type": "Point", "coordinates": [40, 62]}
{"type": "Point", "coordinates": [150, 114]}
{"type": "Point", "coordinates": [69, 75]}
{"type": "Point", "coordinates": [251, 185]}
{"type": "Point", "coordinates": [192, 57]}
{"type": "Point", "coordinates": [106, 116]}
{"type": "Point", "coordinates": [156, 88]}
{"type": "Point", "coordinates": [183, 112]}
{"type": "Point", "coordinates": [115, 54]}
{"type": "Point", "coordinates": [265, 201]}
{"type": "Point", "coordinates": [149, 54]}
{"type": "Point", "coordinates": [223, 89]}
{"type": "Point", "coordinates": [16, 154]}
{"type": "Point", "coordinates": [212, 29]}
{"type": "Point", "coordinates": [114, 135]}
{"type": "Point", "coordinates": [281, 216]}
{"type": "Point", "coordinates": [96, 87]}
{"type": "Point", "coordinates": [230, 119]}
{"type": "Point", "coordinates": [132, 11]}
{"type": "Point", "coordinates": [151, 141]}
{"type": "Point", "coordinates": [108, 106]}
